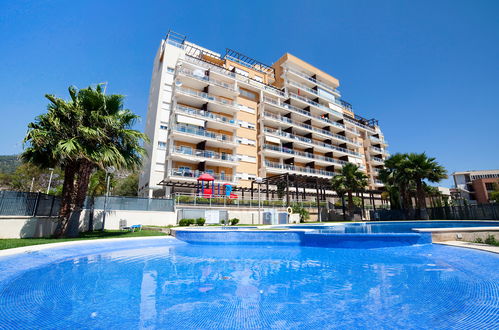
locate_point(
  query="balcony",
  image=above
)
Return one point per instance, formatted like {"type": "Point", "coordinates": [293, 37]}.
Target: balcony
{"type": "Point", "coordinates": [377, 160]}
{"type": "Point", "coordinates": [222, 104]}
{"type": "Point", "coordinates": [283, 168]}
{"type": "Point", "coordinates": [208, 116]}
{"type": "Point", "coordinates": [192, 175]}
{"type": "Point", "coordinates": [300, 154]}
{"type": "Point", "coordinates": [310, 128]}
{"type": "Point", "coordinates": [314, 81]}
{"type": "Point", "coordinates": [315, 104]}
{"type": "Point", "coordinates": [208, 156]}
{"type": "Point", "coordinates": [233, 75]}
{"type": "Point", "coordinates": [356, 123]}
{"type": "Point", "coordinates": [378, 150]}
{"type": "Point", "coordinates": [309, 142]}
{"type": "Point", "coordinates": [222, 87]}
{"type": "Point", "coordinates": [196, 135]}
{"type": "Point", "coordinates": [378, 140]}
{"type": "Point", "coordinates": [302, 112]}
{"type": "Point", "coordinates": [378, 182]}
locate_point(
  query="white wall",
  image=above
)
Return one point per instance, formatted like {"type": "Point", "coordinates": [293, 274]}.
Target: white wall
{"type": "Point", "coordinates": [25, 227]}
{"type": "Point", "coordinates": [129, 218]}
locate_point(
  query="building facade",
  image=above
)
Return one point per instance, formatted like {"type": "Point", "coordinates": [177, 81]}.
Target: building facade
{"type": "Point", "coordinates": [475, 186]}
{"type": "Point", "coordinates": [238, 119]}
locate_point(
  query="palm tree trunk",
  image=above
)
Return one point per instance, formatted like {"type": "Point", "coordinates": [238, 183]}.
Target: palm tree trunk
{"type": "Point", "coordinates": [350, 204]}
{"type": "Point", "coordinates": [420, 201]}
{"type": "Point", "coordinates": [81, 192]}
{"type": "Point", "coordinates": [68, 188]}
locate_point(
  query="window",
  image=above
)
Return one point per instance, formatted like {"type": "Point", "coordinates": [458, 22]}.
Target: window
{"type": "Point", "coordinates": [246, 141]}
{"type": "Point", "coordinates": [246, 158]}
{"type": "Point", "coordinates": [185, 150]}
{"type": "Point", "coordinates": [258, 78]}
{"type": "Point", "coordinates": [242, 72]}
{"type": "Point", "coordinates": [162, 145]}
{"type": "Point", "coordinates": [163, 127]}
{"type": "Point", "coordinates": [245, 124]}
{"type": "Point", "coordinates": [247, 94]}
{"type": "Point", "coordinates": [170, 70]}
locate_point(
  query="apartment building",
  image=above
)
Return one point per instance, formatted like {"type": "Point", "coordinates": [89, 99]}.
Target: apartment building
{"type": "Point", "coordinates": [475, 186]}
{"type": "Point", "coordinates": [236, 118]}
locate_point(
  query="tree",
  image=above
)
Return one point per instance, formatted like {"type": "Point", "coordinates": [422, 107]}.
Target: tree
{"type": "Point", "coordinates": [349, 181]}
{"type": "Point", "coordinates": [87, 132]}
{"type": "Point", "coordinates": [127, 186]}
{"type": "Point", "coordinates": [420, 167]}
{"type": "Point", "coordinates": [396, 182]}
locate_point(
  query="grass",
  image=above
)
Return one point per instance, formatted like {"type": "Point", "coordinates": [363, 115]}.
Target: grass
{"type": "Point", "coordinates": [10, 243]}
{"type": "Point", "coordinates": [490, 240]}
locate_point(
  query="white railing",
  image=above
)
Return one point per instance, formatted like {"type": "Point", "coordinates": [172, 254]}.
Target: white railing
{"type": "Point", "coordinates": [310, 141]}
{"type": "Point", "coordinates": [294, 168]}
{"type": "Point", "coordinates": [194, 174]}
{"type": "Point", "coordinates": [203, 154]}
{"type": "Point", "coordinates": [205, 114]}
{"type": "Point", "coordinates": [206, 96]}
{"type": "Point", "coordinates": [304, 154]}
{"type": "Point", "coordinates": [204, 133]}
{"type": "Point", "coordinates": [310, 127]}
{"type": "Point", "coordinates": [208, 79]}
{"type": "Point", "coordinates": [315, 81]}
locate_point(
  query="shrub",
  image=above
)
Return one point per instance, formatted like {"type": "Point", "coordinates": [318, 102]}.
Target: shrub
{"type": "Point", "coordinates": [304, 214]}
{"type": "Point", "coordinates": [222, 222]}
{"type": "Point", "coordinates": [491, 240]}
{"type": "Point", "coordinates": [200, 221]}
{"type": "Point", "coordinates": [478, 240]}
{"type": "Point", "coordinates": [234, 221]}
{"type": "Point", "coordinates": [186, 222]}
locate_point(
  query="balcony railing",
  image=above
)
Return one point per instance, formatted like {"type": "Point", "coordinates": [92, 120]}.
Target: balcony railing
{"type": "Point", "coordinates": [308, 170]}
{"type": "Point", "coordinates": [208, 79]}
{"type": "Point", "coordinates": [378, 140]}
{"type": "Point", "coordinates": [310, 141]}
{"type": "Point", "coordinates": [234, 75]}
{"type": "Point", "coordinates": [376, 159]}
{"type": "Point", "coordinates": [206, 96]}
{"type": "Point", "coordinates": [181, 172]}
{"type": "Point", "coordinates": [304, 154]}
{"type": "Point", "coordinates": [309, 127]}
{"type": "Point", "coordinates": [205, 114]}
{"type": "Point", "coordinates": [204, 133]}
{"type": "Point", "coordinates": [376, 181]}
{"type": "Point", "coordinates": [204, 154]}
{"type": "Point", "coordinates": [303, 112]}
{"type": "Point", "coordinates": [315, 104]}
{"type": "Point", "coordinates": [315, 81]}
{"type": "Point", "coordinates": [380, 150]}
{"type": "Point", "coordinates": [356, 123]}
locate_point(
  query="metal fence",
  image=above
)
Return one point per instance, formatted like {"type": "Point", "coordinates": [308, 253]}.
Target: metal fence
{"type": "Point", "coordinates": [462, 212]}
{"type": "Point", "coordinates": [28, 204]}
{"type": "Point", "coordinates": [133, 203]}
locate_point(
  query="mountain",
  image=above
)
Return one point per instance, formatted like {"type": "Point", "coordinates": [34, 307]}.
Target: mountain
{"type": "Point", "coordinates": [9, 163]}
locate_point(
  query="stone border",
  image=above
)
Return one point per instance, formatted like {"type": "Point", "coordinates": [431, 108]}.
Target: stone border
{"type": "Point", "coordinates": [39, 247]}
{"type": "Point", "coordinates": [469, 245]}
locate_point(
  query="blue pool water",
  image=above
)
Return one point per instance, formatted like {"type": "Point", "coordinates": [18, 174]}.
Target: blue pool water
{"type": "Point", "coordinates": [393, 227]}
{"type": "Point", "coordinates": [167, 283]}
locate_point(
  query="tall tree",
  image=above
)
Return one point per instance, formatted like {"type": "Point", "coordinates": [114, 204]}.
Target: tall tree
{"type": "Point", "coordinates": [350, 180]}
{"type": "Point", "coordinates": [89, 131]}
{"type": "Point", "coordinates": [420, 167]}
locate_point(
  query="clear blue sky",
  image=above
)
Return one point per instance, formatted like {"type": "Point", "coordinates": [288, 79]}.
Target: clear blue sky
{"type": "Point", "coordinates": [428, 70]}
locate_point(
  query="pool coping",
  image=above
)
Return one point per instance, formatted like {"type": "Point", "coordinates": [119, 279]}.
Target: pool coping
{"type": "Point", "coordinates": [39, 247]}
{"type": "Point", "coordinates": [470, 245]}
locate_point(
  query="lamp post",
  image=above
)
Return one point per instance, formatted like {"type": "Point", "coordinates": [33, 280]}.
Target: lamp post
{"type": "Point", "coordinates": [259, 181]}
{"type": "Point", "coordinates": [50, 179]}
{"type": "Point", "coordinates": [109, 170]}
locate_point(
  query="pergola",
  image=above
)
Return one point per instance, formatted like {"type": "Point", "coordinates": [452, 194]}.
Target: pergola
{"type": "Point", "coordinates": [295, 186]}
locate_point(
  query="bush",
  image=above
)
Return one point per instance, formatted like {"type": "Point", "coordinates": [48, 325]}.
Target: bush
{"type": "Point", "coordinates": [186, 222]}
{"type": "Point", "coordinates": [491, 240]}
{"type": "Point", "coordinates": [304, 214]}
{"type": "Point", "coordinates": [200, 221]}
{"type": "Point", "coordinates": [234, 221]}
{"type": "Point", "coordinates": [222, 222]}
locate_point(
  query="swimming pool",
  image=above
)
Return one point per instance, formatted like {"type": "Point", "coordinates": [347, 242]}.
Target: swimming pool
{"type": "Point", "coordinates": [167, 283]}
{"type": "Point", "coordinates": [392, 227]}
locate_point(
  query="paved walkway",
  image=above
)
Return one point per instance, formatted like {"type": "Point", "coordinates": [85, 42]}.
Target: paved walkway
{"type": "Point", "coordinates": [469, 245]}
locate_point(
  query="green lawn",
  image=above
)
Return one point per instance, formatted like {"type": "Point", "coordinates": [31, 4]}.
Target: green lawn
{"type": "Point", "coordinates": [10, 243]}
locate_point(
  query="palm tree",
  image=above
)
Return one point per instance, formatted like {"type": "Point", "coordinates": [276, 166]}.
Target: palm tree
{"type": "Point", "coordinates": [396, 182]}
{"type": "Point", "coordinates": [52, 140]}
{"type": "Point", "coordinates": [90, 131]}
{"type": "Point", "coordinates": [350, 180]}
{"type": "Point", "coordinates": [420, 167]}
